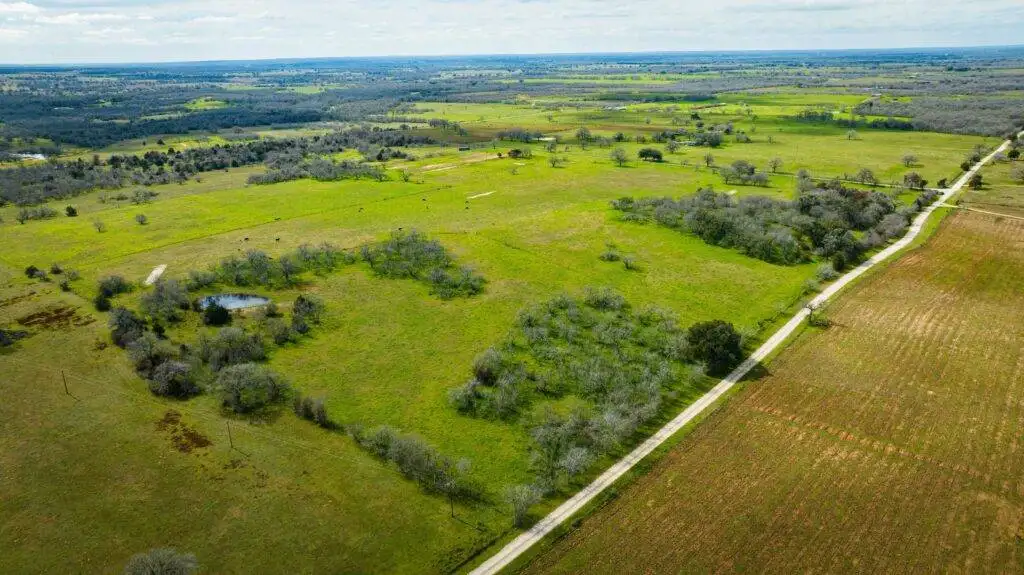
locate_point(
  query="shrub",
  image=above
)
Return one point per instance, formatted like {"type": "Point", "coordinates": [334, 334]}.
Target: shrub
{"type": "Point", "coordinates": [489, 366]}
{"type": "Point", "coordinates": [312, 410]}
{"type": "Point", "coordinates": [231, 346]}
{"type": "Point", "coordinates": [247, 387]}
{"type": "Point", "coordinates": [167, 302]}
{"type": "Point", "coordinates": [715, 343]}
{"type": "Point", "coordinates": [101, 302]}
{"type": "Point", "coordinates": [216, 314]}
{"type": "Point", "coordinates": [71, 211]}
{"type": "Point", "coordinates": [31, 272]}
{"type": "Point", "coordinates": [308, 308]}
{"type": "Point", "coordinates": [610, 255]}
{"type": "Point", "coordinates": [280, 332]}
{"type": "Point", "coordinates": [114, 285]}
{"type": "Point", "coordinates": [161, 562]}
{"type": "Point", "coordinates": [826, 272]}
{"type": "Point", "coordinates": [55, 269]}
{"type": "Point", "coordinates": [198, 279]}
{"type": "Point", "coordinates": [421, 463]}
{"type": "Point", "coordinates": [65, 285]}
{"type": "Point", "coordinates": [148, 352]}
{"type": "Point", "coordinates": [604, 299]}
{"type": "Point", "coordinates": [173, 378]}
{"type": "Point", "coordinates": [125, 326]}
{"type": "Point", "coordinates": [629, 262]}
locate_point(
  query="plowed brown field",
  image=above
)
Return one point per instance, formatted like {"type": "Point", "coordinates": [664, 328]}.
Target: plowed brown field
{"type": "Point", "coordinates": [891, 442]}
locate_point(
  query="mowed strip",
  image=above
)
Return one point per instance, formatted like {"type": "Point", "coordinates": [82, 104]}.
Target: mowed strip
{"type": "Point", "coordinates": [890, 442]}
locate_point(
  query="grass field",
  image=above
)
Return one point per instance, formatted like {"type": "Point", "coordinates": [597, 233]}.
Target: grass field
{"type": "Point", "coordinates": [1001, 192]}
{"type": "Point", "coordinates": [388, 351]}
{"type": "Point", "coordinates": [887, 443]}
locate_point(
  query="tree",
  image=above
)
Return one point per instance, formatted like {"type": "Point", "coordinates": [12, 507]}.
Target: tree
{"type": "Point", "coordinates": [216, 314]}
{"type": "Point", "coordinates": [1017, 173]}
{"type": "Point", "coordinates": [521, 498]}
{"type": "Point", "coordinates": [141, 219]}
{"type": "Point", "coordinates": [852, 135]}
{"type": "Point", "coordinates": [161, 562]}
{"type": "Point", "coordinates": [125, 326]}
{"type": "Point", "coordinates": [583, 136]}
{"type": "Point", "coordinates": [99, 225]}
{"type": "Point", "coordinates": [650, 155]}
{"type": "Point", "coordinates": [717, 344]}
{"type": "Point", "coordinates": [976, 182]}
{"type": "Point", "coordinates": [555, 161]}
{"type": "Point", "coordinates": [619, 156]}
{"type": "Point", "coordinates": [672, 146]}
{"type": "Point", "coordinates": [909, 160]}
{"type": "Point", "coordinates": [173, 378]}
{"type": "Point", "coordinates": [71, 211]}
{"type": "Point", "coordinates": [914, 181]}
{"type": "Point", "coordinates": [774, 164]}
{"type": "Point", "coordinates": [248, 387]}
{"type": "Point", "coordinates": [1013, 154]}
{"type": "Point", "coordinates": [866, 176]}
{"type": "Point", "coordinates": [308, 308]}
{"type": "Point", "coordinates": [167, 302]}
{"type": "Point", "coordinates": [709, 160]}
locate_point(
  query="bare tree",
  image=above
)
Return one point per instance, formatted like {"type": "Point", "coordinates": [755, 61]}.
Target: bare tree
{"type": "Point", "coordinates": [620, 157]}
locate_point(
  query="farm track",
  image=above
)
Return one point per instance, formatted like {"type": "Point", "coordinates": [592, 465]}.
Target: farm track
{"type": "Point", "coordinates": [581, 499]}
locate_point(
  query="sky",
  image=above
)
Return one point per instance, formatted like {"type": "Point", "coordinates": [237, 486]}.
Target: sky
{"type": "Point", "coordinates": [103, 31]}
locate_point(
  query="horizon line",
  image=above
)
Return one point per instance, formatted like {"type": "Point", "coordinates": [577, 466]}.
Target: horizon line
{"type": "Point", "coordinates": [820, 51]}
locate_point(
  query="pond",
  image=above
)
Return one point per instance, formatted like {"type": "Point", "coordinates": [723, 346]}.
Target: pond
{"type": "Point", "coordinates": [234, 301]}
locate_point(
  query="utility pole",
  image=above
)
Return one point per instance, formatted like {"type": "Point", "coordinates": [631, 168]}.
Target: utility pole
{"type": "Point", "coordinates": [66, 390]}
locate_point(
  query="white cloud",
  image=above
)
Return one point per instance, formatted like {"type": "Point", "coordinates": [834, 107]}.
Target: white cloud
{"type": "Point", "coordinates": [18, 8]}
{"type": "Point", "coordinates": [197, 29]}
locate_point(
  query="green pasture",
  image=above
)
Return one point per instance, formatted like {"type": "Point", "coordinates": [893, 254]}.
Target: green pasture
{"type": "Point", "coordinates": [304, 500]}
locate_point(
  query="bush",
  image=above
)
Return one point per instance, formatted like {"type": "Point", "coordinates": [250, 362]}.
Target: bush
{"type": "Point", "coordinates": [604, 299]}
{"type": "Point", "coordinates": [280, 332]}
{"type": "Point", "coordinates": [167, 302]}
{"type": "Point", "coordinates": [488, 366]}
{"type": "Point", "coordinates": [114, 285]}
{"type": "Point", "coordinates": [71, 211]}
{"type": "Point", "coordinates": [312, 410]}
{"type": "Point", "coordinates": [125, 326]}
{"type": "Point", "coordinates": [148, 352]}
{"type": "Point", "coordinates": [308, 308]}
{"type": "Point", "coordinates": [216, 314]}
{"type": "Point", "coordinates": [31, 272]}
{"type": "Point", "coordinates": [421, 463]}
{"type": "Point", "coordinates": [101, 302]}
{"type": "Point", "coordinates": [717, 344]}
{"type": "Point", "coordinates": [412, 255]}
{"type": "Point", "coordinates": [173, 379]}
{"type": "Point", "coordinates": [198, 280]}
{"type": "Point", "coordinates": [231, 346]}
{"type": "Point", "coordinates": [161, 562]}
{"type": "Point", "coordinates": [247, 387]}
{"type": "Point", "coordinates": [826, 272]}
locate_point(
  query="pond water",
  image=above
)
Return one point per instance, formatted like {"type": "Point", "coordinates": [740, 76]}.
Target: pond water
{"type": "Point", "coordinates": [234, 300]}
